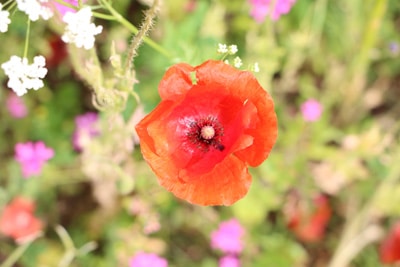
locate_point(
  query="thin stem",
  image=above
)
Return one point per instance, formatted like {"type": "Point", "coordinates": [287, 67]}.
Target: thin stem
{"type": "Point", "coordinates": [28, 30]}
{"type": "Point", "coordinates": [17, 253]}
{"type": "Point", "coordinates": [65, 238]}
{"type": "Point", "coordinates": [8, 2]}
{"type": "Point", "coordinates": [103, 16]}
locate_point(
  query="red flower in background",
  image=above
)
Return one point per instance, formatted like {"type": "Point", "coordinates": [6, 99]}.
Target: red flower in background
{"type": "Point", "coordinates": [17, 219]}
{"type": "Point", "coordinates": [309, 226]}
{"type": "Point", "coordinates": [389, 251]}
{"type": "Point", "coordinates": [213, 121]}
{"type": "Point", "coordinates": [58, 51]}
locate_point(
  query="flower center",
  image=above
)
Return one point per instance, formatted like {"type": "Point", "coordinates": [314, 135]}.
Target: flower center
{"type": "Point", "coordinates": [205, 133]}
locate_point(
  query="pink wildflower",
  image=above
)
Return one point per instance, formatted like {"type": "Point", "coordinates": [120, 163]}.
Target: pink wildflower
{"type": "Point", "coordinates": [228, 237]}
{"type": "Point", "coordinates": [275, 8]}
{"type": "Point", "coordinates": [16, 106]}
{"type": "Point", "coordinates": [229, 261]}
{"type": "Point", "coordinates": [32, 156]}
{"type": "Point", "coordinates": [85, 129]}
{"type": "Point", "coordinates": [62, 9]}
{"type": "Point", "coordinates": [311, 110]}
{"type": "Point", "coordinates": [142, 259]}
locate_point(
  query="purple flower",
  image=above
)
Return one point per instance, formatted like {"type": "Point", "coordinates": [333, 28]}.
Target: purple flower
{"type": "Point", "coordinates": [229, 261]}
{"type": "Point", "coordinates": [32, 156]}
{"type": "Point", "coordinates": [261, 8]}
{"type": "Point", "coordinates": [227, 237]}
{"type": "Point", "coordinates": [394, 48]}
{"type": "Point", "coordinates": [85, 129]}
{"type": "Point", "coordinates": [311, 110]}
{"type": "Point", "coordinates": [16, 106]}
{"type": "Point", "coordinates": [142, 259]}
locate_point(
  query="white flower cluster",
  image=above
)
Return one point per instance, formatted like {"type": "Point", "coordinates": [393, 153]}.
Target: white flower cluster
{"type": "Point", "coordinates": [23, 76]}
{"type": "Point", "coordinates": [35, 9]}
{"type": "Point", "coordinates": [4, 19]}
{"type": "Point", "coordinates": [237, 62]}
{"type": "Point", "coordinates": [79, 30]}
{"type": "Point", "coordinates": [224, 49]}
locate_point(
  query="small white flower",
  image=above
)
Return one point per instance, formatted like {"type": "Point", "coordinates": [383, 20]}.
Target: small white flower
{"type": "Point", "coordinates": [23, 76]}
{"type": "Point", "coordinates": [4, 19]}
{"type": "Point", "coordinates": [222, 49]}
{"type": "Point", "coordinates": [256, 68]}
{"type": "Point", "coordinates": [226, 62]}
{"type": "Point", "coordinates": [237, 62]}
{"type": "Point", "coordinates": [35, 9]}
{"type": "Point", "coordinates": [232, 49]}
{"type": "Point", "coordinates": [79, 30]}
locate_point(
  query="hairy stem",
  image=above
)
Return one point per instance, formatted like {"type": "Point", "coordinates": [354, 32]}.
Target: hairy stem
{"type": "Point", "coordinates": [144, 30]}
{"type": "Point", "coordinates": [134, 30]}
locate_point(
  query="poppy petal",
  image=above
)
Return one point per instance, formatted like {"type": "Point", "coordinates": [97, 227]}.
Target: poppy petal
{"type": "Point", "coordinates": [176, 82]}
{"type": "Point", "coordinates": [228, 182]}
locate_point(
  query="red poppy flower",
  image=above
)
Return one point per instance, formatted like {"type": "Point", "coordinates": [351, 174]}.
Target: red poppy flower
{"type": "Point", "coordinates": [17, 219]}
{"type": "Point", "coordinates": [213, 121]}
{"type": "Point", "coordinates": [389, 251]}
{"type": "Point", "coordinates": [309, 226]}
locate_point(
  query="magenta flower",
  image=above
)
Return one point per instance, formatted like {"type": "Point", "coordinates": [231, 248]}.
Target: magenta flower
{"type": "Point", "coordinates": [311, 110]}
{"type": "Point", "coordinates": [64, 9]}
{"type": "Point", "coordinates": [261, 8]}
{"type": "Point", "coordinates": [16, 106]}
{"type": "Point", "coordinates": [142, 259]}
{"type": "Point", "coordinates": [229, 261]}
{"type": "Point", "coordinates": [32, 156]}
{"type": "Point", "coordinates": [228, 237]}
{"type": "Point", "coordinates": [85, 129]}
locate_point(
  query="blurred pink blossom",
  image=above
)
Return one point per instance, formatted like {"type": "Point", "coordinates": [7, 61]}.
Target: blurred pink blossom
{"type": "Point", "coordinates": [142, 259]}
{"type": "Point", "coordinates": [311, 110]}
{"type": "Point", "coordinates": [229, 261]}
{"type": "Point", "coordinates": [228, 237]}
{"type": "Point", "coordinates": [32, 156]}
{"type": "Point", "coordinates": [62, 9]}
{"type": "Point", "coordinates": [261, 8]}
{"type": "Point", "coordinates": [16, 106]}
{"type": "Point", "coordinates": [85, 129]}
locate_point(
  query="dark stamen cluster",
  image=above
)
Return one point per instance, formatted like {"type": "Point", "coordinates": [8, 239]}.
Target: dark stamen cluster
{"type": "Point", "coordinates": [205, 133]}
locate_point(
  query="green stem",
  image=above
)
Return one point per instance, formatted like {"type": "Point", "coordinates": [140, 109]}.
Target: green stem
{"type": "Point", "coordinates": [17, 253]}
{"type": "Point", "coordinates": [318, 20]}
{"type": "Point", "coordinates": [8, 2]}
{"type": "Point", "coordinates": [134, 30]}
{"type": "Point", "coordinates": [103, 16]}
{"type": "Point", "coordinates": [28, 30]}
{"type": "Point", "coordinates": [371, 31]}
